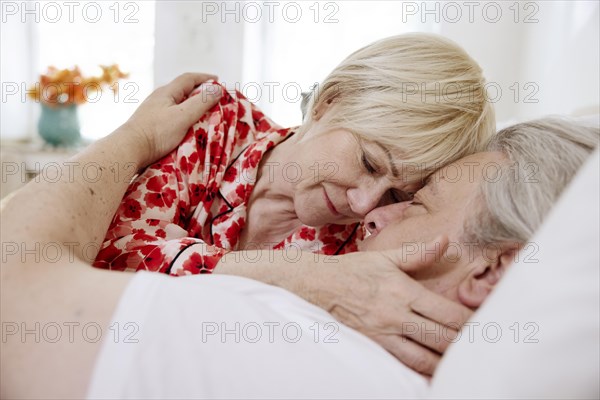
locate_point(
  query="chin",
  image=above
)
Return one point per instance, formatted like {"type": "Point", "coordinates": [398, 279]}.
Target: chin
{"type": "Point", "coordinates": [364, 244]}
{"type": "Point", "coordinates": [310, 218]}
{"type": "Point", "coordinates": [319, 216]}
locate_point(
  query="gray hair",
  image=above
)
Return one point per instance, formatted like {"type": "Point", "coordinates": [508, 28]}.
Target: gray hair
{"type": "Point", "coordinates": [543, 156]}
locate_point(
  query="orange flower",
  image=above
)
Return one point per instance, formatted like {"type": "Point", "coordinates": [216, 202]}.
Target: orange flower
{"type": "Point", "coordinates": [62, 87]}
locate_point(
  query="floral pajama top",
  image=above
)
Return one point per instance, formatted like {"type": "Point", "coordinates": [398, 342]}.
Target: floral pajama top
{"type": "Point", "coordinates": [182, 213]}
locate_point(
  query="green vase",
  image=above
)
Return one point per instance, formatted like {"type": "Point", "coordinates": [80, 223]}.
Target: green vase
{"type": "Point", "coordinates": [59, 126]}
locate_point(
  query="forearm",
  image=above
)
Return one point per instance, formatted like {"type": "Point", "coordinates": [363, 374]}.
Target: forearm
{"type": "Point", "coordinates": [75, 209]}
{"type": "Point", "coordinates": [316, 278]}
{"type": "Point", "coordinates": [266, 266]}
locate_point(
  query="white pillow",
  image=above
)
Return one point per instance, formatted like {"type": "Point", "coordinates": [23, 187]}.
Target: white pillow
{"type": "Point", "coordinates": [552, 293]}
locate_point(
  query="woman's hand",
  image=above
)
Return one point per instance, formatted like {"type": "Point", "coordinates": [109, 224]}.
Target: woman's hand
{"type": "Point", "coordinates": [162, 120]}
{"type": "Point", "coordinates": [369, 292]}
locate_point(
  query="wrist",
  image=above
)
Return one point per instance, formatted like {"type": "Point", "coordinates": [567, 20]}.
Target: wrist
{"type": "Point", "coordinates": [314, 277]}
{"type": "Point", "coordinates": [321, 280]}
{"type": "Point", "coordinates": [134, 145]}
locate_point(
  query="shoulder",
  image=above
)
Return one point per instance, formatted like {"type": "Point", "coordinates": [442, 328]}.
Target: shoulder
{"type": "Point", "coordinates": [230, 126]}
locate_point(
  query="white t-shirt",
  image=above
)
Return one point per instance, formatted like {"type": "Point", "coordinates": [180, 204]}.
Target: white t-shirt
{"type": "Point", "coordinates": [231, 337]}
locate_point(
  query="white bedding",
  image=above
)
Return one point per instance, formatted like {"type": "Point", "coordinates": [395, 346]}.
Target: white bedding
{"type": "Point", "coordinates": [173, 360]}
{"type": "Point", "coordinates": [556, 356]}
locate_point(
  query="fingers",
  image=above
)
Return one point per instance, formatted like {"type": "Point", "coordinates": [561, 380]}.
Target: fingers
{"type": "Point", "coordinates": [441, 310]}
{"type": "Point", "coordinates": [195, 106]}
{"type": "Point", "coordinates": [422, 330]}
{"type": "Point", "coordinates": [413, 355]}
{"type": "Point", "coordinates": [413, 256]}
{"type": "Point", "coordinates": [181, 86]}
{"type": "Point", "coordinates": [430, 253]}
{"type": "Point", "coordinates": [427, 303]}
{"type": "Point", "coordinates": [434, 250]}
{"type": "Point", "coordinates": [429, 333]}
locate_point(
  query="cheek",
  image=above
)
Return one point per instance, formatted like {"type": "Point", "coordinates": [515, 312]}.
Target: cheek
{"type": "Point", "coordinates": [443, 286]}
{"type": "Point", "coordinates": [315, 171]}
{"type": "Point", "coordinates": [339, 171]}
{"type": "Point", "coordinates": [328, 171]}
{"type": "Point", "coordinates": [410, 232]}
{"type": "Point", "coordinates": [391, 237]}
{"type": "Point", "coordinates": [308, 199]}
{"type": "Point", "coordinates": [305, 176]}
{"type": "Point", "coordinates": [308, 208]}
{"type": "Point", "coordinates": [339, 167]}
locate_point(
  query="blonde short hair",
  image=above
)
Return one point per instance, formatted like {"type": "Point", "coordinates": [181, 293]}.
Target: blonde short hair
{"type": "Point", "coordinates": [418, 95]}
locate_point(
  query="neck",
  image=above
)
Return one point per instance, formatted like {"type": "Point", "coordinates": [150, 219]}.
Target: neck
{"type": "Point", "coordinates": [270, 182]}
{"type": "Point", "coordinates": [271, 215]}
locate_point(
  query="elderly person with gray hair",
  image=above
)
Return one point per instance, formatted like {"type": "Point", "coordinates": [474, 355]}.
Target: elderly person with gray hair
{"type": "Point", "coordinates": [474, 222]}
{"type": "Point", "coordinates": [465, 227]}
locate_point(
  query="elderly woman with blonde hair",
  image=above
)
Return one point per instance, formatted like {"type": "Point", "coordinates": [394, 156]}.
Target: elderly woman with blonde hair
{"type": "Point", "coordinates": [388, 115]}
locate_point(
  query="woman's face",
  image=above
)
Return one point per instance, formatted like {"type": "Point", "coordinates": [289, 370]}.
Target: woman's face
{"type": "Point", "coordinates": [339, 180]}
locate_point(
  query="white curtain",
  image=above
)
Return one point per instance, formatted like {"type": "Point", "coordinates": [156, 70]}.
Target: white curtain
{"type": "Point", "coordinates": [36, 35]}
{"type": "Point", "coordinates": [547, 63]}
{"type": "Point", "coordinates": [17, 59]}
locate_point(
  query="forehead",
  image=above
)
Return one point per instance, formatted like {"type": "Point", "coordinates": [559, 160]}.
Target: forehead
{"type": "Point", "coordinates": [460, 179]}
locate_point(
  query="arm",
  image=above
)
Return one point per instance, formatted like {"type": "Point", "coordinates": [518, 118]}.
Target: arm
{"type": "Point", "coordinates": [149, 230]}
{"type": "Point", "coordinates": [165, 221]}
{"type": "Point", "coordinates": [381, 301]}
{"type": "Point", "coordinates": [68, 215]}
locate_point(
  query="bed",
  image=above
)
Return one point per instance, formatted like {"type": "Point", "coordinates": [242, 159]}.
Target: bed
{"type": "Point", "coordinates": [535, 337]}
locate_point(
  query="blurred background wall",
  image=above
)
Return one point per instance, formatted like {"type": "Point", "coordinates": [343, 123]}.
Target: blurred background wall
{"type": "Point", "coordinates": [540, 57]}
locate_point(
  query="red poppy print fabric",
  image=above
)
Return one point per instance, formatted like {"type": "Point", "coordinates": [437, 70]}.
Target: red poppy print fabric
{"type": "Point", "coordinates": [182, 213]}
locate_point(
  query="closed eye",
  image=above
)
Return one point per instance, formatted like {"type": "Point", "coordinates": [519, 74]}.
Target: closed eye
{"type": "Point", "coordinates": [399, 196]}
{"type": "Point", "coordinates": [417, 202]}
{"type": "Point", "coordinates": [369, 167]}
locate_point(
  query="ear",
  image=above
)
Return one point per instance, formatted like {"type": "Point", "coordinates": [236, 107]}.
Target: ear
{"type": "Point", "coordinates": [322, 108]}
{"type": "Point", "coordinates": [485, 273]}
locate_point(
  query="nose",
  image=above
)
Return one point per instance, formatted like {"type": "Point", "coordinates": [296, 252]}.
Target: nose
{"type": "Point", "coordinates": [365, 197]}
{"type": "Point", "coordinates": [380, 217]}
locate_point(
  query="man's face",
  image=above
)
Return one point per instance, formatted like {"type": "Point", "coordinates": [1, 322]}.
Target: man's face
{"type": "Point", "coordinates": [440, 208]}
